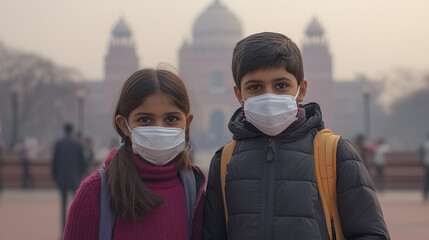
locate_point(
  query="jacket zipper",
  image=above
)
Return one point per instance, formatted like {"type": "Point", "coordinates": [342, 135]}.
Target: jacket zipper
{"type": "Point", "coordinates": [269, 190]}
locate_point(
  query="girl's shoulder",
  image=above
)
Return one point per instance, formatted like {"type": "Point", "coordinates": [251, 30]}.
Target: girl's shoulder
{"type": "Point", "coordinates": [89, 190]}
{"type": "Point", "coordinates": [84, 212]}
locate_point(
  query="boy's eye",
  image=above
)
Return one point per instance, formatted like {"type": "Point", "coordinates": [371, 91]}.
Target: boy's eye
{"type": "Point", "coordinates": [255, 87]}
{"type": "Point", "coordinates": [144, 119]}
{"type": "Point", "coordinates": [172, 119]}
{"type": "Point", "coordinates": [281, 85]}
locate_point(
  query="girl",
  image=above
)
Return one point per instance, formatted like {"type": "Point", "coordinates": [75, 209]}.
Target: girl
{"type": "Point", "coordinates": [149, 189]}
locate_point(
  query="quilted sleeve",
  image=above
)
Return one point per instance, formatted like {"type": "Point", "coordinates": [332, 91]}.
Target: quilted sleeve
{"type": "Point", "coordinates": [358, 205]}
{"type": "Point", "coordinates": [214, 216]}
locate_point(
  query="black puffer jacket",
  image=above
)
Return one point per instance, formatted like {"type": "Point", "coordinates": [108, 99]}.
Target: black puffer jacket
{"type": "Point", "coordinates": [271, 188]}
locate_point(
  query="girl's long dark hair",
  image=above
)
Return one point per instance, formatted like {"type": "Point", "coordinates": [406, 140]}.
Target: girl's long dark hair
{"type": "Point", "coordinates": [129, 197]}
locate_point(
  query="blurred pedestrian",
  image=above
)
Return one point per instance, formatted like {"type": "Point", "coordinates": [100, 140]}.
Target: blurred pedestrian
{"type": "Point", "coordinates": [379, 162]}
{"type": "Point", "coordinates": [425, 163]}
{"type": "Point", "coordinates": [67, 166]}
{"type": "Point", "coordinates": [23, 151]}
{"type": "Point", "coordinates": [88, 154]}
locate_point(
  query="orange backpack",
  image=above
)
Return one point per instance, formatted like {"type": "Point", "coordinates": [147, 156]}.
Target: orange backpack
{"type": "Point", "coordinates": [325, 163]}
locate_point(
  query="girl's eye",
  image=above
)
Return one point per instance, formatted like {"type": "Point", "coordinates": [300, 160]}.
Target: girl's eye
{"type": "Point", "coordinates": [144, 119]}
{"type": "Point", "coordinates": [172, 119]}
{"type": "Point", "coordinates": [255, 87]}
{"type": "Point", "coordinates": [281, 85]}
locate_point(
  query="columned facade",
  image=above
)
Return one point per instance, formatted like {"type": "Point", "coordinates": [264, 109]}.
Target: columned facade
{"type": "Point", "coordinates": [205, 67]}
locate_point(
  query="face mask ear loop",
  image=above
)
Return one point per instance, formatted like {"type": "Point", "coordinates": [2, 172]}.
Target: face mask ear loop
{"type": "Point", "coordinates": [297, 103]}
{"type": "Point", "coordinates": [243, 101]}
{"type": "Point", "coordinates": [242, 115]}
{"type": "Point", "coordinates": [297, 93]}
{"type": "Point", "coordinates": [127, 124]}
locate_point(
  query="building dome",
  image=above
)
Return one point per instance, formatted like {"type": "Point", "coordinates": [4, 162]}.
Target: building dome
{"type": "Point", "coordinates": [121, 29]}
{"type": "Point", "coordinates": [216, 26]}
{"type": "Point", "coordinates": [314, 29]}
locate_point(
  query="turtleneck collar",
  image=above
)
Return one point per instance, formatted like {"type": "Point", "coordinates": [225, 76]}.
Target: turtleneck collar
{"type": "Point", "coordinates": [157, 175]}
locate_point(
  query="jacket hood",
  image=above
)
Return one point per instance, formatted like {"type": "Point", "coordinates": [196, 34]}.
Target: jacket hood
{"type": "Point", "coordinates": [241, 129]}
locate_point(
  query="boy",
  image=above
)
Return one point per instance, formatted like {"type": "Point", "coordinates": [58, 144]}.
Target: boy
{"type": "Point", "coordinates": [271, 190]}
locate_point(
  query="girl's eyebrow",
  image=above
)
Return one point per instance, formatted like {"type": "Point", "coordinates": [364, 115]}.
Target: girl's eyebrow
{"type": "Point", "coordinates": [151, 114]}
{"type": "Point", "coordinates": [172, 113]}
{"type": "Point", "coordinates": [143, 113]}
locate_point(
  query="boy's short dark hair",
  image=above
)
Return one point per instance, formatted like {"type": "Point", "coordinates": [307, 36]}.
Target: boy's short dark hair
{"type": "Point", "coordinates": [263, 51]}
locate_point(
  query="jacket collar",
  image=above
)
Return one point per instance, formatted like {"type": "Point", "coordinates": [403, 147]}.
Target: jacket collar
{"type": "Point", "coordinates": [310, 117]}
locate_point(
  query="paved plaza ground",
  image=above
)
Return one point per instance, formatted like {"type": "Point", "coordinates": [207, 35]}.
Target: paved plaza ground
{"type": "Point", "coordinates": [35, 214]}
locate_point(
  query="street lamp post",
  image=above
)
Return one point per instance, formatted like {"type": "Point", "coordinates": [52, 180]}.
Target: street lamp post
{"type": "Point", "coordinates": [58, 105]}
{"type": "Point", "coordinates": [366, 105]}
{"type": "Point", "coordinates": [80, 100]}
{"type": "Point", "coordinates": [15, 116]}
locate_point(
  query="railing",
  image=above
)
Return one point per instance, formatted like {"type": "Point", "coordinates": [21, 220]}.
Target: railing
{"type": "Point", "coordinates": [40, 172]}
{"type": "Point", "coordinates": [403, 170]}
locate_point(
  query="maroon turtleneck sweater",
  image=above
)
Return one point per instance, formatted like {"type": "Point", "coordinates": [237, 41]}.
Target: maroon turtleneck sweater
{"type": "Point", "coordinates": [169, 221]}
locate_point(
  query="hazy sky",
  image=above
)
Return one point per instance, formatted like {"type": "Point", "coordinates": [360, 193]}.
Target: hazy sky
{"type": "Point", "coordinates": [365, 36]}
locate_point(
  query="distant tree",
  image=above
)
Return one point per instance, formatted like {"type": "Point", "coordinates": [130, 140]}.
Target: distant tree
{"type": "Point", "coordinates": [405, 123]}
{"type": "Point", "coordinates": [46, 94]}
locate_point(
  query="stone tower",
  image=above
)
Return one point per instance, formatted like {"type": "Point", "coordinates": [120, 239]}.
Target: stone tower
{"type": "Point", "coordinates": [318, 71]}
{"type": "Point", "coordinates": [121, 61]}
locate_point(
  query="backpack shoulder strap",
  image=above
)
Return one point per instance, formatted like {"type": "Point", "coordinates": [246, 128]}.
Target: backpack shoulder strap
{"type": "Point", "coordinates": [107, 217]}
{"type": "Point", "coordinates": [225, 157]}
{"type": "Point", "coordinates": [189, 184]}
{"type": "Point", "coordinates": [325, 163]}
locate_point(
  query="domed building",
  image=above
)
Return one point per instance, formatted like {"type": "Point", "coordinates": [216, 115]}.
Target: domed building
{"type": "Point", "coordinates": [216, 27]}
{"type": "Point", "coordinates": [318, 71]}
{"type": "Point", "coordinates": [205, 66]}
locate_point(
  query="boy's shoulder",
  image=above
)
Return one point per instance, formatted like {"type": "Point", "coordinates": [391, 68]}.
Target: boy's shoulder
{"type": "Point", "coordinates": [219, 151]}
{"type": "Point", "coordinates": [217, 155]}
{"type": "Point", "coordinates": [346, 152]}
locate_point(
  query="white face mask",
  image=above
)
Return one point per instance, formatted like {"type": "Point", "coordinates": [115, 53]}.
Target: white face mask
{"type": "Point", "coordinates": [157, 145]}
{"type": "Point", "coordinates": [271, 113]}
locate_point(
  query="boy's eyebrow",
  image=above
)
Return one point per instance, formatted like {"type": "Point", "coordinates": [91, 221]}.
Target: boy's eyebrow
{"type": "Point", "coordinates": [275, 80]}
{"type": "Point", "coordinates": [252, 81]}
{"type": "Point", "coordinates": [281, 79]}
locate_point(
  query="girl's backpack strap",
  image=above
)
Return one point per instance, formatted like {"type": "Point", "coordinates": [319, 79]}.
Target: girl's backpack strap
{"type": "Point", "coordinates": [224, 160]}
{"type": "Point", "coordinates": [189, 184]}
{"type": "Point", "coordinates": [107, 217]}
